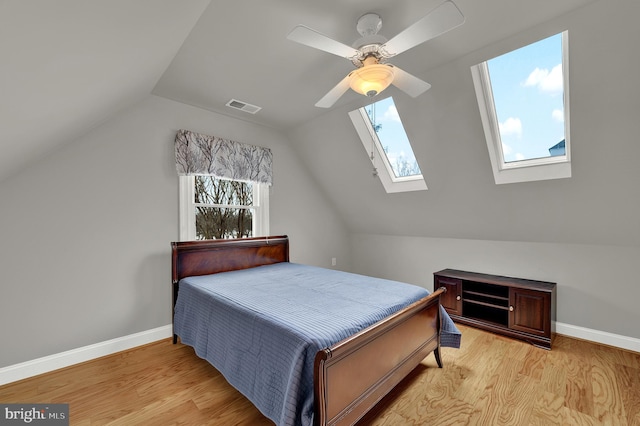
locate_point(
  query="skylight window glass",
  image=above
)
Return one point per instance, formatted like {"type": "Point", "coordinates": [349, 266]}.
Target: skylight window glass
{"type": "Point", "coordinates": [392, 138]}
{"type": "Point", "coordinates": [528, 96]}
{"type": "Point", "coordinates": [523, 100]}
{"type": "Point", "coordinates": [387, 145]}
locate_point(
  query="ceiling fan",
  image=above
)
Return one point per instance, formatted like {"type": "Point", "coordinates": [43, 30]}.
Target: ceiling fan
{"type": "Point", "coordinates": [371, 52]}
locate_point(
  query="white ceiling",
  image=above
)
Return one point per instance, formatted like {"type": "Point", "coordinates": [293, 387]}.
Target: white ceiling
{"type": "Point", "coordinates": [240, 51]}
{"type": "Point", "coordinates": [69, 65]}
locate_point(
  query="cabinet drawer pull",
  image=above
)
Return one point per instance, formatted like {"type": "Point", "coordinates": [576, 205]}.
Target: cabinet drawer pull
{"type": "Point", "coordinates": [511, 308]}
{"type": "Point", "coordinates": [458, 297]}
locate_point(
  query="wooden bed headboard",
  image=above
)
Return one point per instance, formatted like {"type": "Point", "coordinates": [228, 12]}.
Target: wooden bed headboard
{"type": "Point", "coordinates": [191, 258]}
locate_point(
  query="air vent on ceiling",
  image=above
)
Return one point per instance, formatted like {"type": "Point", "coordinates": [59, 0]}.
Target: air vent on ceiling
{"type": "Point", "coordinates": [243, 106]}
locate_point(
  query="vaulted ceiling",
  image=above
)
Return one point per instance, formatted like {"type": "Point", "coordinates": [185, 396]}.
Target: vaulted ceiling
{"type": "Point", "coordinates": [67, 66]}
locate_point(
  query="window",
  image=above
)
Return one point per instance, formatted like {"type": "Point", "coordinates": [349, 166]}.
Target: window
{"type": "Point", "coordinates": [384, 139]}
{"type": "Point", "coordinates": [523, 98]}
{"type": "Point", "coordinates": [213, 208]}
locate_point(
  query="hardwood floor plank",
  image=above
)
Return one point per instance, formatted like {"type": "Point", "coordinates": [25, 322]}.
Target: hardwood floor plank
{"type": "Point", "coordinates": [491, 380]}
{"type": "Point", "coordinates": [607, 394]}
{"type": "Point", "coordinates": [474, 354]}
{"type": "Point", "coordinates": [554, 379]}
{"type": "Point", "coordinates": [534, 363]}
{"type": "Point", "coordinates": [579, 395]}
{"type": "Point", "coordinates": [547, 409]}
{"type": "Point", "coordinates": [628, 380]}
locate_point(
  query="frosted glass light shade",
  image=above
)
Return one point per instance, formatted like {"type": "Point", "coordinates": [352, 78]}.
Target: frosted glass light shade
{"type": "Point", "coordinates": [371, 79]}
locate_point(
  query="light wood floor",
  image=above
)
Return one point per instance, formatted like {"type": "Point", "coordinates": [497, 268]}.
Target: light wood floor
{"type": "Point", "coordinates": [491, 380]}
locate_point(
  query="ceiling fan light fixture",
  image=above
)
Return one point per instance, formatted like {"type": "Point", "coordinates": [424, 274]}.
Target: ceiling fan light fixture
{"type": "Point", "coordinates": [371, 79]}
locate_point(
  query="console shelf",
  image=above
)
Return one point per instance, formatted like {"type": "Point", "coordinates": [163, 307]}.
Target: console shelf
{"type": "Point", "coordinates": [515, 307]}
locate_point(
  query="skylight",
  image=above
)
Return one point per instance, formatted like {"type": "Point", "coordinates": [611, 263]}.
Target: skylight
{"type": "Point", "coordinates": [387, 144]}
{"type": "Point", "coordinates": [524, 104]}
{"type": "Point", "coordinates": [392, 138]}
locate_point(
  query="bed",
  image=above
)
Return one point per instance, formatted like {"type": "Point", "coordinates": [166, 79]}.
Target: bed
{"type": "Point", "coordinates": [301, 359]}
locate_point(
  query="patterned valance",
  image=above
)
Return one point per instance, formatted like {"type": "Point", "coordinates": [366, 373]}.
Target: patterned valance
{"type": "Point", "coordinates": [198, 154]}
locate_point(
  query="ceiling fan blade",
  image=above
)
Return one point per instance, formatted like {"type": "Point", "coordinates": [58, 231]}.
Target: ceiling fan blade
{"type": "Point", "coordinates": [443, 18]}
{"type": "Point", "coordinates": [334, 94]}
{"type": "Point", "coordinates": [408, 83]}
{"type": "Point", "coordinates": [309, 37]}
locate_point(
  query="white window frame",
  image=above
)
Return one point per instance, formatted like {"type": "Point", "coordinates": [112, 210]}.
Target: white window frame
{"type": "Point", "coordinates": [554, 167]}
{"type": "Point", "coordinates": [187, 211]}
{"type": "Point", "coordinates": [370, 141]}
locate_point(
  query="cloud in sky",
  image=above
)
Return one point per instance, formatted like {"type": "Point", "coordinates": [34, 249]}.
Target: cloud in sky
{"type": "Point", "coordinates": [558, 115]}
{"type": "Point", "coordinates": [392, 113]}
{"type": "Point", "coordinates": [511, 126]}
{"type": "Point", "coordinates": [545, 80]}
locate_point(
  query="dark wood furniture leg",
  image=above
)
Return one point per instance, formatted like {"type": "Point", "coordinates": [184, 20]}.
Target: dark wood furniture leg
{"type": "Point", "coordinates": [436, 352]}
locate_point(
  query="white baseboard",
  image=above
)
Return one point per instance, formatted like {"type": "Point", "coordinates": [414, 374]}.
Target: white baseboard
{"type": "Point", "coordinates": [617, 340]}
{"type": "Point", "coordinates": [49, 363]}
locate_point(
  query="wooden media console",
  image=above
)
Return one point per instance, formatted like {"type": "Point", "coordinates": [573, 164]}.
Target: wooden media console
{"type": "Point", "coordinates": [515, 307]}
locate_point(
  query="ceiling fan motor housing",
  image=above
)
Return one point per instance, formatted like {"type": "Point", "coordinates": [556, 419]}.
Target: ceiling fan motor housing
{"type": "Point", "coordinates": [369, 24]}
{"type": "Point", "coordinates": [369, 44]}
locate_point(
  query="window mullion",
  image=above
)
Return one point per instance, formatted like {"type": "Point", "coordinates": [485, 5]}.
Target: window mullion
{"type": "Point", "coordinates": [223, 206]}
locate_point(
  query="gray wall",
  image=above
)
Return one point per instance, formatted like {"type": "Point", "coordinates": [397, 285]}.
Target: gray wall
{"type": "Point", "coordinates": [596, 284]}
{"type": "Point", "coordinates": [582, 232]}
{"type": "Point", "coordinates": [85, 232]}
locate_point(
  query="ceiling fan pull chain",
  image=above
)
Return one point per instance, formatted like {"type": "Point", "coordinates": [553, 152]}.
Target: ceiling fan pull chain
{"type": "Point", "coordinates": [373, 160]}
{"type": "Point", "coordinates": [373, 141]}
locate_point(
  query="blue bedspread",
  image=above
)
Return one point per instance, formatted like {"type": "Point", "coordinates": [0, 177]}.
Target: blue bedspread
{"type": "Point", "coordinates": [238, 320]}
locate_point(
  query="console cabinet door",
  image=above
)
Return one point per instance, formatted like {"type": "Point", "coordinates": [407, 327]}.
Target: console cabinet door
{"type": "Point", "coordinates": [452, 299]}
{"type": "Point", "coordinates": [529, 311]}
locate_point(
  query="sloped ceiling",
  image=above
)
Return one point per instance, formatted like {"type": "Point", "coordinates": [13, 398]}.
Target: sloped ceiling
{"type": "Point", "coordinates": [597, 205]}
{"type": "Point", "coordinates": [241, 51]}
{"type": "Point", "coordinates": [69, 65]}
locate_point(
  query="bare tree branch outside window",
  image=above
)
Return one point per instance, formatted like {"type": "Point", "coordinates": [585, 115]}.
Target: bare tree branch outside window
{"type": "Point", "coordinates": [223, 208]}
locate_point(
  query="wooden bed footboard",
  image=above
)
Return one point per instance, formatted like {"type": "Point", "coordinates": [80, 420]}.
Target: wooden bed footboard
{"type": "Point", "coordinates": [354, 374]}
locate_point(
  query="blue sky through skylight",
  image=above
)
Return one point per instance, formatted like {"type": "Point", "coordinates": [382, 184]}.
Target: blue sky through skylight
{"type": "Point", "coordinates": [393, 138]}
{"type": "Point", "coordinates": [527, 86]}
